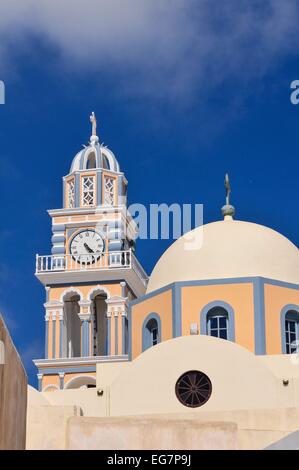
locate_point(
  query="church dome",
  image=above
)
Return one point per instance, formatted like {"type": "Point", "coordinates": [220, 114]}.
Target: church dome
{"type": "Point", "coordinates": [95, 155]}
{"type": "Point", "coordinates": [227, 249]}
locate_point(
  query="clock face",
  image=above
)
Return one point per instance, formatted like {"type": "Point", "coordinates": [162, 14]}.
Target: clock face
{"type": "Point", "coordinates": [87, 246]}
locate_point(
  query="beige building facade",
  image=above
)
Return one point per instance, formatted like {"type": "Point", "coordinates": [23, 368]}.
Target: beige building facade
{"type": "Point", "coordinates": [200, 355]}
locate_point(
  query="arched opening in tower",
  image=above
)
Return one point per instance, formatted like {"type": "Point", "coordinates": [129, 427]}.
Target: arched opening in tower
{"type": "Point", "coordinates": [72, 327]}
{"type": "Point", "coordinates": [100, 326]}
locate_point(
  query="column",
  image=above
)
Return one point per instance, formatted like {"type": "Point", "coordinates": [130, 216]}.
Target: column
{"type": "Point", "coordinates": [61, 380]}
{"type": "Point", "coordinates": [53, 335]}
{"type": "Point", "coordinates": [123, 286]}
{"type": "Point", "coordinates": [124, 332]}
{"type": "Point", "coordinates": [47, 319]}
{"type": "Point", "coordinates": [40, 379]}
{"type": "Point", "coordinates": [116, 307]}
{"type": "Point", "coordinates": [85, 317]}
{"type": "Point", "coordinates": [108, 339]}
{"type": "Point", "coordinates": [108, 315]}
{"type": "Point", "coordinates": [54, 310]}
{"type": "Point", "coordinates": [116, 332]}
{"type": "Point", "coordinates": [99, 188]}
{"type": "Point", "coordinates": [85, 336]}
{"type": "Point", "coordinates": [123, 315]}
{"type": "Point", "coordinates": [61, 332]}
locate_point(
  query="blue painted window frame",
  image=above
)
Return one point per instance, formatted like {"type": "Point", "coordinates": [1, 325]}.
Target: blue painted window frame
{"type": "Point", "coordinates": [147, 337]}
{"type": "Point", "coordinates": [217, 314]}
{"type": "Point", "coordinates": [208, 310]}
{"type": "Point", "coordinates": [289, 313]}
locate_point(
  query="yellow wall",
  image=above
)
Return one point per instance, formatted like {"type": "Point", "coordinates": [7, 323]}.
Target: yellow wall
{"type": "Point", "coordinates": [83, 218]}
{"type": "Point", "coordinates": [276, 298]}
{"type": "Point", "coordinates": [54, 379]}
{"type": "Point", "coordinates": [194, 299]}
{"type": "Point", "coordinates": [160, 304]}
{"type": "Point", "coordinates": [56, 292]}
{"type": "Point", "coordinates": [239, 296]}
{"type": "Point", "coordinates": [50, 380]}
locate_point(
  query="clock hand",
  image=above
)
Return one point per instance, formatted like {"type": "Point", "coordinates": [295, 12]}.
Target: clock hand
{"type": "Point", "coordinates": [88, 248]}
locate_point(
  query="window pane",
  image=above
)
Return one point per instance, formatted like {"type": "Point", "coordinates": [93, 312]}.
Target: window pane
{"type": "Point", "coordinates": [218, 322]}
{"type": "Point", "coordinates": [292, 335]}
{"type": "Point", "coordinates": [154, 334]}
{"type": "Point", "coordinates": [222, 322]}
{"type": "Point", "coordinates": [223, 334]}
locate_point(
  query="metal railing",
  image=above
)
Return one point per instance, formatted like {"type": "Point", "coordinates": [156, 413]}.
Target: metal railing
{"type": "Point", "coordinates": [94, 261]}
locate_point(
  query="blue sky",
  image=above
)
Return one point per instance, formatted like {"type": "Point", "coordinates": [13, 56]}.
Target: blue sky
{"type": "Point", "coordinates": [184, 91]}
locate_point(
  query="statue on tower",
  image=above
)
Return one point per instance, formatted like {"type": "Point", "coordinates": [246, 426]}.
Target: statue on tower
{"type": "Point", "coordinates": [228, 211]}
{"type": "Point", "coordinates": [93, 120]}
{"type": "Point", "coordinates": [93, 138]}
{"type": "Point", "coordinates": [228, 189]}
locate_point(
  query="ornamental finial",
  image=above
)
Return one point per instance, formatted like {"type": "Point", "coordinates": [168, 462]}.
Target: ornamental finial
{"type": "Point", "coordinates": [227, 188]}
{"type": "Point", "coordinates": [228, 211]}
{"type": "Point", "coordinates": [94, 138]}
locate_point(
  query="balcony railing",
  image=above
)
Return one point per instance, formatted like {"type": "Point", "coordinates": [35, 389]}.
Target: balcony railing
{"type": "Point", "coordinates": [94, 261]}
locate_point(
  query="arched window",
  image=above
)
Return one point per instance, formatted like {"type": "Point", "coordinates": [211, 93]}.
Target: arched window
{"type": "Point", "coordinates": [100, 325]}
{"type": "Point", "coordinates": [72, 327]}
{"type": "Point", "coordinates": [217, 323]}
{"type": "Point", "coordinates": [217, 319]}
{"type": "Point", "coordinates": [290, 329]}
{"type": "Point", "coordinates": [106, 164]}
{"type": "Point", "coordinates": [292, 332]}
{"type": "Point", "coordinates": [151, 331]}
{"type": "Point", "coordinates": [91, 162]}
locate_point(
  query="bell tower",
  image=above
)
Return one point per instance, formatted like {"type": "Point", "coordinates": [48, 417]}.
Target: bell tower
{"type": "Point", "coordinates": [92, 272]}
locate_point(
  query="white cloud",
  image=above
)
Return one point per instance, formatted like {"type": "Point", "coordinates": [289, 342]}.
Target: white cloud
{"type": "Point", "coordinates": [159, 47]}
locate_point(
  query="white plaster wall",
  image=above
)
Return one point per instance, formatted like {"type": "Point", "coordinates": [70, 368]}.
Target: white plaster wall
{"type": "Point", "coordinates": [46, 426]}
{"type": "Point", "coordinates": [148, 434]}
{"type": "Point", "coordinates": [86, 399]}
{"type": "Point", "coordinates": [239, 379]}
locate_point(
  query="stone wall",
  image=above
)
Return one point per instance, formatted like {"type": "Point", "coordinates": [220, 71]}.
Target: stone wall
{"type": "Point", "coordinates": [13, 394]}
{"type": "Point", "coordinates": [149, 434]}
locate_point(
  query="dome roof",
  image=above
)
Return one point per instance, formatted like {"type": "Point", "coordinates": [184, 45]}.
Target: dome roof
{"type": "Point", "coordinates": [227, 249]}
{"type": "Point", "coordinates": [103, 158]}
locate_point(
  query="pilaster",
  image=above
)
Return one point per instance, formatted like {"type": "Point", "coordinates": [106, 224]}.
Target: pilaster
{"type": "Point", "coordinates": [116, 308]}
{"type": "Point", "coordinates": [85, 317]}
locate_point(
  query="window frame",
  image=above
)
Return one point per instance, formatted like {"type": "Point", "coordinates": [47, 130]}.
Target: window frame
{"type": "Point", "coordinates": [230, 318]}
{"type": "Point", "coordinates": [218, 328]}
{"type": "Point", "coordinates": [289, 313]}
{"type": "Point", "coordinates": [93, 176]}
{"type": "Point", "coordinates": [113, 178]}
{"type": "Point", "coordinates": [147, 334]}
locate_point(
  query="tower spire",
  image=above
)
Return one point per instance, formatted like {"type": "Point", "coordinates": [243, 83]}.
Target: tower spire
{"type": "Point", "coordinates": [228, 211]}
{"type": "Point", "coordinates": [93, 138]}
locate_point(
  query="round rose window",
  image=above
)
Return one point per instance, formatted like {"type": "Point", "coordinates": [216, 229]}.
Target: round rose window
{"type": "Point", "coordinates": [193, 388]}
